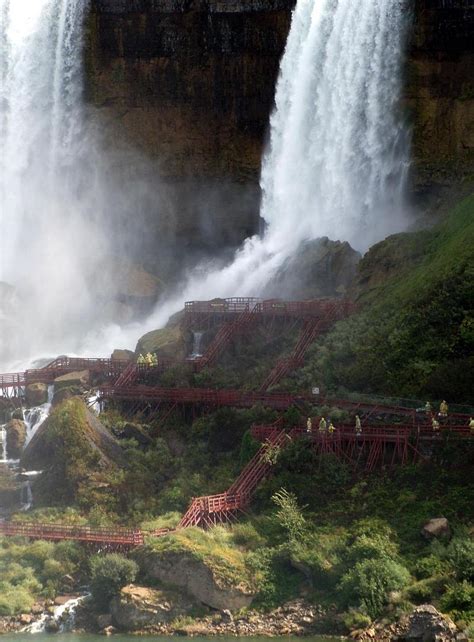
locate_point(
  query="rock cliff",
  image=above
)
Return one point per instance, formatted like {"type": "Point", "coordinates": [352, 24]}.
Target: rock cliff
{"type": "Point", "coordinates": [190, 83]}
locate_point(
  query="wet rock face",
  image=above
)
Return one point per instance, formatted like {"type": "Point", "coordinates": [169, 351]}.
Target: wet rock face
{"type": "Point", "coordinates": [440, 92]}
{"type": "Point", "coordinates": [191, 84]}
{"type": "Point", "coordinates": [16, 438]}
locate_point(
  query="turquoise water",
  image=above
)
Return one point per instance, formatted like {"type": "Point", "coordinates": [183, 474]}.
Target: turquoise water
{"type": "Point", "coordinates": [71, 637]}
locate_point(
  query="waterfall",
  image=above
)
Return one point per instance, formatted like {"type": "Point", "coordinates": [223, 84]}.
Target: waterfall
{"type": "Point", "coordinates": [338, 155]}
{"type": "Point", "coordinates": [3, 445]}
{"type": "Point", "coordinates": [62, 620]}
{"type": "Point", "coordinates": [197, 339]}
{"type": "Point", "coordinates": [34, 417]}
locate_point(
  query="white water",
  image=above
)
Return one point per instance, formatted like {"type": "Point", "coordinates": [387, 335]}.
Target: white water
{"type": "Point", "coordinates": [64, 616]}
{"type": "Point", "coordinates": [197, 339]}
{"type": "Point", "coordinates": [3, 444]}
{"type": "Point", "coordinates": [34, 417]}
{"type": "Point", "coordinates": [335, 166]}
{"type": "Point", "coordinates": [338, 156]}
{"type": "Point", "coordinates": [57, 195]}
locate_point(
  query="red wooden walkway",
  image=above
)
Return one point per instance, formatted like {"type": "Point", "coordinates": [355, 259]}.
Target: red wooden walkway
{"type": "Point", "coordinates": [110, 369]}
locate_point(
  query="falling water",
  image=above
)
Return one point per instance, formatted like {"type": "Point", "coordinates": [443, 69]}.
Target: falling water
{"type": "Point", "coordinates": [3, 445]}
{"type": "Point", "coordinates": [197, 339]}
{"type": "Point", "coordinates": [34, 417]}
{"type": "Point", "coordinates": [338, 156]}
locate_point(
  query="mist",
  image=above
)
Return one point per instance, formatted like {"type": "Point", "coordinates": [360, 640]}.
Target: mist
{"type": "Point", "coordinates": [73, 221]}
{"type": "Point", "coordinates": [338, 156]}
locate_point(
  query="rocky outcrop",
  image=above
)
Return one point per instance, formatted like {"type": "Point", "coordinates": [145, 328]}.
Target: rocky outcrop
{"type": "Point", "coordinates": [198, 579]}
{"type": "Point", "coordinates": [437, 527]}
{"type": "Point", "coordinates": [71, 426]}
{"type": "Point", "coordinates": [16, 438]}
{"type": "Point", "coordinates": [167, 342]}
{"type": "Point", "coordinates": [318, 268]}
{"type": "Point", "coordinates": [36, 394]}
{"type": "Point", "coordinates": [426, 624]}
{"type": "Point", "coordinates": [138, 607]}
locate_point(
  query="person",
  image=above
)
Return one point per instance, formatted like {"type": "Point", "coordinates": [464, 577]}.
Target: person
{"type": "Point", "coordinates": [309, 425]}
{"type": "Point", "coordinates": [331, 428]}
{"type": "Point", "coordinates": [428, 408]}
{"type": "Point", "coordinates": [148, 359]}
{"type": "Point", "coordinates": [154, 359]}
{"type": "Point", "coordinates": [435, 425]}
{"type": "Point", "coordinates": [358, 425]}
{"type": "Point", "coordinates": [471, 424]}
{"type": "Point", "coordinates": [141, 360]}
{"type": "Point", "coordinates": [322, 425]}
{"type": "Point", "coordinates": [443, 409]}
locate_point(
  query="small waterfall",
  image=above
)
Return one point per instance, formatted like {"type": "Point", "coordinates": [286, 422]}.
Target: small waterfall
{"type": "Point", "coordinates": [62, 620]}
{"type": "Point", "coordinates": [197, 339]}
{"type": "Point", "coordinates": [26, 495]}
{"type": "Point", "coordinates": [34, 417]}
{"type": "Point", "coordinates": [3, 445]}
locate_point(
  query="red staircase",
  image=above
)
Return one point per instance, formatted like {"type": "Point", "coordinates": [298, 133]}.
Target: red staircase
{"type": "Point", "coordinates": [311, 329]}
{"type": "Point", "coordinates": [210, 510]}
{"type": "Point", "coordinates": [128, 377]}
{"type": "Point", "coordinates": [224, 336]}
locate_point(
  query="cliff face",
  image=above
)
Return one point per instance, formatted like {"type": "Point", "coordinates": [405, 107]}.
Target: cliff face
{"type": "Point", "coordinates": [191, 83]}
{"type": "Point", "coordinates": [440, 92]}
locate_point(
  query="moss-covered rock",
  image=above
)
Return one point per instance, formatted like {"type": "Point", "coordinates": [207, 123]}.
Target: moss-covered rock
{"type": "Point", "coordinates": [73, 449]}
{"type": "Point", "coordinates": [138, 607]}
{"type": "Point", "coordinates": [36, 394]}
{"type": "Point", "coordinates": [167, 342]}
{"type": "Point", "coordinates": [204, 565]}
{"type": "Point", "coordinates": [16, 438]}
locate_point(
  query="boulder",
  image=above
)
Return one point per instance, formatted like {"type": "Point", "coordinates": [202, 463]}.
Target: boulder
{"type": "Point", "coordinates": [70, 442]}
{"type": "Point", "coordinates": [426, 624]}
{"type": "Point", "coordinates": [72, 380]}
{"type": "Point", "coordinates": [318, 268]}
{"type": "Point", "coordinates": [122, 355]}
{"type": "Point", "coordinates": [36, 394]}
{"type": "Point", "coordinates": [134, 431]}
{"type": "Point", "coordinates": [200, 580]}
{"type": "Point", "coordinates": [167, 342]}
{"type": "Point", "coordinates": [16, 438]}
{"type": "Point", "coordinates": [437, 527]}
{"type": "Point", "coordinates": [138, 606]}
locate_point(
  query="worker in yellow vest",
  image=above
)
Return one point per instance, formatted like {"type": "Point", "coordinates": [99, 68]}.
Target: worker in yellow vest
{"type": "Point", "coordinates": [443, 409]}
{"type": "Point", "coordinates": [141, 360]}
{"type": "Point", "coordinates": [331, 428]}
{"type": "Point", "coordinates": [358, 425]}
{"type": "Point", "coordinates": [309, 425]}
{"type": "Point", "coordinates": [322, 425]}
{"type": "Point", "coordinates": [471, 424]}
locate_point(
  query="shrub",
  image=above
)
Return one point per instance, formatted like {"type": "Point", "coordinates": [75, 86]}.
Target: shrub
{"type": "Point", "coordinates": [458, 597]}
{"type": "Point", "coordinates": [460, 555]}
{"type": "Point", "coordinates": [429, 566]}
{"type": "Point", "coordinates": [14, 599]}
{"type": "Point", "coordinates": [355, 620]}
{"type": "Point", "coordinates": [375, 546]}
{"type": "Point", "coordinates": [247, 536]}
{"type": "Point", "coordinates": [369, 582]}
{"type": "Point", "coordinates": [290, 516]}
{"type": "Point", "coordinates": [109, 574]}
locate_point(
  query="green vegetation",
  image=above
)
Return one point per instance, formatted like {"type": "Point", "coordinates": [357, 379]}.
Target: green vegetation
{"type": "Point", "coordinates": [415, 334]}
{"type": "Point", "coordinates": [35, 570]}
{"type": "Point", "coordinates": [110, 573]}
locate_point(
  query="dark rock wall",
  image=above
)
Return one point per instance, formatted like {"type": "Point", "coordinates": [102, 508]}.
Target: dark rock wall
{"type": "Point", "coordinates": [440, 92]}
{"type": "Point", "coordinates": [190, 83]}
